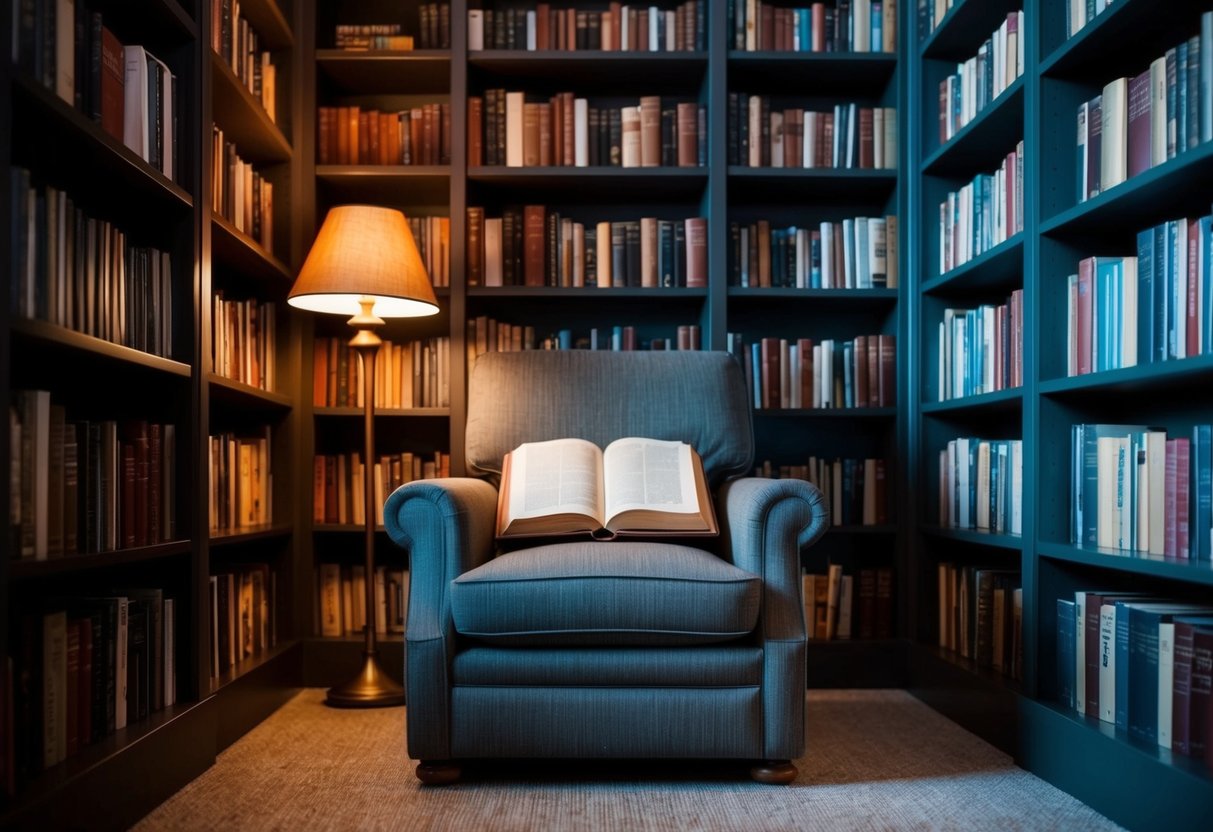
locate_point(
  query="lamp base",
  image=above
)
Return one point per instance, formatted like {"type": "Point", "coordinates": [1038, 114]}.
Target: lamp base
{"type": "Point", "coordinates": [371, 688]}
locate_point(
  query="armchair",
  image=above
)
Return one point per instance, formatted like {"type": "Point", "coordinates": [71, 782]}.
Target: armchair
{"type": "Point", "coordinates": [593, 649]}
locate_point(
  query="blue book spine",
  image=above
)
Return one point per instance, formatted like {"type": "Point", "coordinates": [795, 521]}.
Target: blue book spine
{"type": "Point", "coordinates": [1205, 229]}
{"type": "Point", "coordinates": [565, 337]}
{"type": "Point", "coordinates": [1168, 231]}
{"type": "Point", "coordinates": [756, 370]}
{"type": "Point", "coordinates": [1192, 89]}
{"type": "Point", "coordinates": [877, 41]}
{"type": "Point", "coordinates": [1202, 491]}
{"type": "Point", "coordinates": [1065, 652]}
{"type": "Point", "coordinates": [1206, 76]}
{"type": "Point", "coordinates": [1145, 297]}
{"type": "Point", "coordinates": [1122, 665]}
{"type": "Point", "coordinates": [1181, 96]}
{"type": "Point", "coordinates": [806, 31]}
{"type": "Point", "coordinates": [1141, 674]}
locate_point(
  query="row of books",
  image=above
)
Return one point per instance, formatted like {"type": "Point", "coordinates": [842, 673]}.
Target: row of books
{"type": "Point", "coordinates": [83, 486]}
{"type": "Point", "coordinates": [506, 129]}
{"type": "Point", "coordinates": [241, 615]}
{"type": "Point", "coordinates": [794, 373]}
{"type": "Point", "coordinates": [981, 615]}
{"type": "Point", "coordinates": [1134, 488]}
{"type": "Point", "coordinates": [850, 136]}
{"type": "Point", "coordinates": [360, 37]}
{"type": "Point", "coordinates": [81, 273]}
{"type": "Point", "coordinates": [617, 28]}
{"type": "Point", "coordinates": [837, 607]}
{"type": "Point", "coordinates": [979, 80]}
{"type": "Point", "coordinates": [241, 484]}
{"type": "Point", "coordinates": [1141, 662]}
{"type": "Point", "coordinates": [1156, 306]}
{"type": "Point", "coordinates": [433, 237]}
{"type": "Point", "coordinates": [533, 245]}
{"type": "Point", "coordinates": [485, 334]}
{"type": "Point", "coordinates": [352, 135]}
{"type": "Point", "coordinates": [931, 13]}
{"type": "Point", "coordinates": [338, 490]}
{"type": "Point", "coordinates": [126, 89]}
{"type": "Point", "coordinates": [1139, 122]}
{"type": "Point", "coordinates": [241, 194]}
{"type": "Point", "coordinates": [859, 253]}
{"type": "Point", "coordinates": [837, 26]}
{"type": "Point", "coordinates": [235, 40]}
{"type": "Point", "coordinates": [341, 600]}
{"type": "Point", "coordinates": [84, 667]}
{"type": "Point", "coordinates": [982, 214]}
{"type": "Point", "coordinates": [243, 341]}
{"type": "Point", "coordinates": [1079, 13]}
{"type": "Point", "coordinates": [981, 349]}
{"type": "Point", "coordinates": [855, 489]}
{"type": "Point", "coordinates": [981, 485]}
{"type": "Point", "coordinates": [408, 374]}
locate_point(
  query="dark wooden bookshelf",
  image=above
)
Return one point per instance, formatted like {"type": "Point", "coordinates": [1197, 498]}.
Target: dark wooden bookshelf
{"type": "Point", "coordinates": [1000, 267]}
{"type": "Point", "coordinates": [243, 120]}
{"type": "Point", "coordinates": [1195, 572]}
{"type": "Point", "coordinates": [385, 70]}
{"type": "Point", "coordinates": [861, 297]}
{"type": "Point", "coordinates": [953, 38]}
{"type": "Point", "coordinates": [1143, 378]}
{"type": "Point", "coordinates": [591, 71]}
{"type": "Point", "coordinates": [82, 563]}
{"type": "Point", "coordinates": [977, 536]}
{"type": "Point", "coordinates": [251, 534]}
{"type": "Point", "coordinates": [590, 293]}
{"type": "Point", "coordinates": [842, 73]}
{"type": "Point", "coordinates": [384, 412]}
{"type": "Point", "coordinates": [423, 184]}
{"type": "Point", "coordinates": [236, 250]}
{"type": "Point", "coordinates": [1008, 399]}
{"type": "Point", "coordinates": [54, 338]}
{"type": "Point", "coordinates": [980, 143]}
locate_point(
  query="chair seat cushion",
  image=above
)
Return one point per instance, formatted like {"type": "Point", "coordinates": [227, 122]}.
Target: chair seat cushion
{"type": "Point", "coordinates": [633, 593]}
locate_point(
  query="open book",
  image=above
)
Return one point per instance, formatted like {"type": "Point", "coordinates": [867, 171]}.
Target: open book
{"type": "Point", "coordinates": [633, 486]}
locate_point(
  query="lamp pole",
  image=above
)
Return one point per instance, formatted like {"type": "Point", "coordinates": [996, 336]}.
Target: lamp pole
{"type": "Point", "coordinates": [371, 688]}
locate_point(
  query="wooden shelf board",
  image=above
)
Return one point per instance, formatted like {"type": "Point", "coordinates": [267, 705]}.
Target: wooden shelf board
{"type": "Point", "coordinates": [386, 71]}
{"type": "Point", "coordinates": [251, 664]}
{"type": "Point", "coordinates": [865, 297]}
{"type": "Point", "coordinates": [1144, 377]}
{"type": "Point", "coordinates": [589, 293]}
{"type": "Point", "coordinates": [592, 70]}
{"type": "Point", "coordinates": [1000, 399]}
{"type": "Point", "coordinates": [243, 120]}
{"type": "Point", "coordinates": [1011, 542]}
{"type": "Point", "coordinates": [884, 528]}
{"type": "Point", "coordinates": [245, 395]}
{"type": "Point", "coordinates": [845, 73]}
{"type": "Point", "coordinates": [251, 533]}
{"type": "Point", "coordinates": [985, 140]}
{"type": "Point", "coordinates": [269, 23]}
{"type": "Point", "coordinates": [966, 25]}
{"type": "Point", "coordinates": [233, 248]}
{"type": "Point", "coordinates": [53, 334]}
{"type": "Point", "coordinates": [998, 267]}
{"type": "Point", "coordinates": [386, 412]}
{"type": "Point", "coordinates": [850, 186]}
{"type": "Point", "coordinates": [1178, 569]}
{"type": "Point", "coordinates": [392, 184]}
{"type": "Point", "coordinates": [827, 412]}
{"type": "Point", "coordinates": [23, 568]}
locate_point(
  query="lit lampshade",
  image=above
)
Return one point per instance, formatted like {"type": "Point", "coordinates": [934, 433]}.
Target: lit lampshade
{"type": "Point", "coordinates": [364, 251]}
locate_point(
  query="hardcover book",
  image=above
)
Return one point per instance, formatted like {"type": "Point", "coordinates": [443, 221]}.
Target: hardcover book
{"type": "Point", "coordinates": [633, 486]}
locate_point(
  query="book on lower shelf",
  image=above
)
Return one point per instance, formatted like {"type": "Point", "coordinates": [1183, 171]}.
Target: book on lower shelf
{"type": "Point", "coordinates": [764, 134]}
{"type": "Point", "coordinates": [237, 42]}
{"type": "Point", "coordinates": [244, 341]}
{"type": "Point", "coordinates": [353, 135]}
{"type": "Point", "coordinates": [981, 349]}
{"type": "Point", "coordinates": [862, 26]}
{"type": "Point", "coordinates": [984, 213]}
{"type": "Point", "coordinates": [407, 375]}
{"type": "Point", "coordinates": [241, 484]}
{"type": "Point", "coordinates": [839, 607]}
{"type": "Point", "coordinates": [340, 608]}
{"type": "Point", "coordinates": [431, 29]}
{"type": "Point", "coordinates": [485, 334]}
{"type": "Point", "coordinates": [981, 615]}
{"type": "Point", "coordinates": [979, 80]}
{"type": "Point", "coordinates": [86, 486]}
{"type": "Point", "coordinates": [796, 373]}
{"type": "Point", "coordinates": [242, 604]}
{"type": "Point", "coordinates": [240, 193]}
{"type": "Point", "coordinates": [855, 489]}
{"type": "Point", "coordinates": [84, 667]}
{"type": "Point", "coordinates": [633, 486]}
{"type": "Point", "coordinates": [1139, 661]}
{"type": "Point", "coordinates": [614, 29]}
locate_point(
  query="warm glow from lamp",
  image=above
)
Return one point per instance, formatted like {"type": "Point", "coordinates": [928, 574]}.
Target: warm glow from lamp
{"type": "Point", "coordinates": [364, 252]}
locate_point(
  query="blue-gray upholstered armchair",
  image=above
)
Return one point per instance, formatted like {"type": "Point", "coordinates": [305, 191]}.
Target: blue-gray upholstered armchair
{"type": "Point", "coordinates": [594, 649]}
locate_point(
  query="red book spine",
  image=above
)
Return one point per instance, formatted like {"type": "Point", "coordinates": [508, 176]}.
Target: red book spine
{"type": "Point", "coordinates": [888, 371]}
{"type": "Point", "coordinates": [1200, 721]}
{"type": "Point", "coordinates": [1181, 689]}
{"type": "Point", "coordinates": [862, 399]}
{"type": "Point", "coordinates": [1194, 242]}
{"type": "Point", "coordinates": [1172, 487]}
{"type": "Point", "coordinates": [1183, 458]}
{"type": "Point", "coordinates": [1086, 311]}
{"type": "Point", "coordinates": [770, 373]}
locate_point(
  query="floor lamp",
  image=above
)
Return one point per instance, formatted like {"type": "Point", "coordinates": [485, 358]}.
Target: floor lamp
{"type": "Point", "coordinates": [365, 263]}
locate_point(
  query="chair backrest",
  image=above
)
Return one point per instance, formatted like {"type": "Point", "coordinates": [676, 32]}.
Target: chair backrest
{"type": "Point", "coordinates": [598, 395]}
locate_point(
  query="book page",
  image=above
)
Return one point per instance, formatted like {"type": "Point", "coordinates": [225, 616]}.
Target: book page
{"type": "Point", "coordinates": [560, 476]}
{"type": "Point", "coordinates": [649, 474]}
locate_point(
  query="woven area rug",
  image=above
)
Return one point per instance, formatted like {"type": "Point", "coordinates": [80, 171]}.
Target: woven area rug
{"type": "Point", "coordinates": [876, 759]}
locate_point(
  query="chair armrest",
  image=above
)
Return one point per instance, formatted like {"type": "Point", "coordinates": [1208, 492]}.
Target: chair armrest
{"type": "Point", "coordinates": [767, 523]}
{"type": "Point", "coordinates": [446, 526]}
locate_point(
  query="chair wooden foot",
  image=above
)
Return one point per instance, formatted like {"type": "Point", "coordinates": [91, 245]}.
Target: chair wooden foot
{"type": "Point", "coordinates": [774, 772]}
{"type": "Point", "coordinates": [438, 772]}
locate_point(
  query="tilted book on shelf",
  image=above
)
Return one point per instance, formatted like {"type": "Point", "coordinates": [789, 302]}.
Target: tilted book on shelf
{"type": "Point", "coordinates": [633, 486]}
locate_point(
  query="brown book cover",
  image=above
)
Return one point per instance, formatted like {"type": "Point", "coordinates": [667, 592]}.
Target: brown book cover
{"type": "Point", "coordinates": [888, 371]}
{"type": "Point", "coordinates": [530, 134]}
{"type": "Point", "coordinates": [323, 147]}
{"type": "Point", "coordinates": [570, 32]}
{"type": "Point", "coordinates": [545, 134]}
{"type": "Point", "coordinates": [771, 363]}
{"type": "Point", "coordinates": [867, 150]}
{"type": "Point", "coordinates": [320, 355]}
{"type": "Point", "coordinates": [113, 84]}
{"type": "Point", "coordinates": [383, 144]}
{"type": "Point", "coordinates": [873, 359]}
{"type": "Point", "coordinates": [650, 131]}
{"type": "Point", "coordinates": [364, 138]}
{"type": "Point", "coordinates": [556, 115]}
{"type": "Point", "coordinates": [155, 467]}
{"type": "Point", "coordinates": [766, 28]}
{"type": "Point", "coordinates": [534, 224]}
{"type": "Point", "coordinates": [567, 129]}
{"type": "Point", "coordinates": [543, 33]}
{"type": "Point", "coordinates": [475, 244]}
{"type": "Point", "coordinates": [697, 252]}
{"type": "Point", "coordinates": [763, 246]}
{"type": "Point", "coordinates": [372, 138]}
{"type": "Point", "coordinates": [805, 348]}
{"type": "Point", "coordinates": [688, 134]}
{"type": "Point", "coordinates": [475, 131]}
{"type": "Point", "coordinates": [861, 371]}
{"type": "Point", "coordinates": [417, 135]}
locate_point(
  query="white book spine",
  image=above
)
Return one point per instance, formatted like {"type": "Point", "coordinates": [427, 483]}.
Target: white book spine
{"type": "Point", "coordinates": [475, 30]}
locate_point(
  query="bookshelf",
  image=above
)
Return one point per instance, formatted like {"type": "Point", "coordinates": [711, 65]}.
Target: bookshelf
{"type": "Point", "coordinates": [1060, 72]}
{"type": "Point", "coordinates": [103, 371]}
